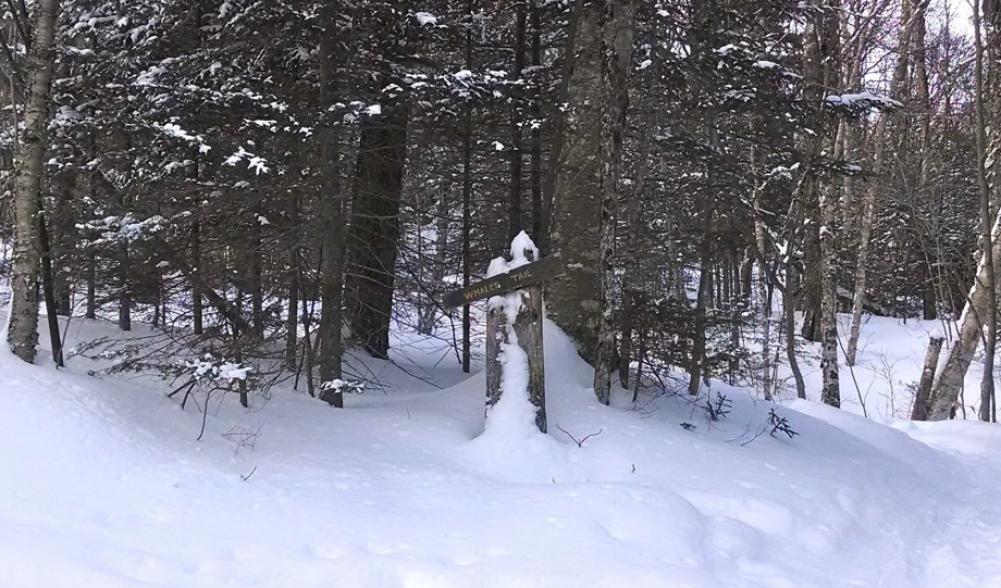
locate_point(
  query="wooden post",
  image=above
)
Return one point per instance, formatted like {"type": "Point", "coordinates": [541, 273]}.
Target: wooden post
{"type": "Point", "coordinates": [496, 336]}
{"type": "Point", "coordinates": [519, 285]}
{"type": "Point", "coordinates": [528, 327]}
{"type": "Point", "coordinates": [528, 330]}
{"type": "Point", "coordinates": [920, 410]}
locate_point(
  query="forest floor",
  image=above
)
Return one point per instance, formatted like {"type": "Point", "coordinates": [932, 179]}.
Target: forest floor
{"type": "Point", "coordinates": [104, 485]}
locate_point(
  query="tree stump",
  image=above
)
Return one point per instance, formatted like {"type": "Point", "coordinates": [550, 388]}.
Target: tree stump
{"type": "Point", "coordinates": [921, 397]}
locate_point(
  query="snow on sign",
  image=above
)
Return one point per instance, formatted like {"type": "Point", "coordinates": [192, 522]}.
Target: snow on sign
{"type": "Point", "coordinates": [526, 275]}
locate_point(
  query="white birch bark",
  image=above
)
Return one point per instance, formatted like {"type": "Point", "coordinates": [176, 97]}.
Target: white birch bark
{"type": "Point", "coordinates": [22, 329]}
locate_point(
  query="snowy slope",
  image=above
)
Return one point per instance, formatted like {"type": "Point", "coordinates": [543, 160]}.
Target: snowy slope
{"type": "Point", "coordinates": [103, 485]}
{"type": "Point", "coordinates": [890, 358]}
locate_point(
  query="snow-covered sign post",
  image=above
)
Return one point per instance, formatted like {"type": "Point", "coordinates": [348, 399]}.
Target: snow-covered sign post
{"type": "Point", "coordinates": [514, 323]}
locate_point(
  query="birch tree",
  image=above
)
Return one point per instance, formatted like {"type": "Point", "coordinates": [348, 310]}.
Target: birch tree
{"type": "Point", "coordinates": [22, 331]}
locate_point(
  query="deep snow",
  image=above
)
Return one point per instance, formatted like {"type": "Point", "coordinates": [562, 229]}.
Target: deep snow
{"type": "Point", "coordinates": [103, 485]}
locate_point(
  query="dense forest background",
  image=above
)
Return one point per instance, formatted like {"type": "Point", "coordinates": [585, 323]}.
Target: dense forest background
{"type": "Point", "coordinates": [271, 182]}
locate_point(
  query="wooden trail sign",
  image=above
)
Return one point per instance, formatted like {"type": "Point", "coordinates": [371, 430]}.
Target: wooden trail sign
{"type": "Point", "coordinates": [526, 275]}
{"type": "Point", "coordinates": [525, 281]}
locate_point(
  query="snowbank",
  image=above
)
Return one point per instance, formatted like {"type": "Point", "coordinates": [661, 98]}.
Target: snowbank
{"type": "Point", "coordinates": [104, 486]}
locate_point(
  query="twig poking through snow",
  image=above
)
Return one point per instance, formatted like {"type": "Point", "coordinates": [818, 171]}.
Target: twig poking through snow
{"type": "Point", "coordinates": [580, 442]}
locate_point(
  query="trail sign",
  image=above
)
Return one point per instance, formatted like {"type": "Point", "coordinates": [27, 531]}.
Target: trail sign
{"type": "Point", "coordinates": [526, 275]}
{"type": "Point", "coordinates": [522, 287]}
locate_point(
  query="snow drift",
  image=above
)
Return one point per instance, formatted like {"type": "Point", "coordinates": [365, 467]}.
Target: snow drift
{"type": "Point", "coordinates": [103, 485]}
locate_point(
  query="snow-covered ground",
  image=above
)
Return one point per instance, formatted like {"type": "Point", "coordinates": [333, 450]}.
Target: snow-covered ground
{"type": "Point", "coordinates": [891, 355]}
{"type": "Point", "coordinates": [103, 485]}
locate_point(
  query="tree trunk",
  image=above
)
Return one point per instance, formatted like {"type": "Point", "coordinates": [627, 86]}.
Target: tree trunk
{"type": "Point", "coordinates": [332, 213]}
{"type": "Point", "coordinates": [294, 271]}
{"type": "Point", "coordinates": [920, 410]}
{"type": "Point", "coordinates": [563, 119]}
{"type": "Point", "coordinates": [373, 236]}
{"type": "Point", "coordinates": [63, 239]}
{"type": "Point", "coordinates": [820, 53]}
{"type": "Point", "coordinates": [467, 194]}
{"type": "Point", "coordinates": [124, 271]}
{"type": "Point", "coordinates": [761, 244]}
{"type": "Point", "coordinates": [616, 57]}
{"type": "Point", "coordinates": [831, 382]}
{"type": "Point", "coordinates": [514, 214]}
{"type": "Point", "coordinates": [574, 297]}
{"type": "Point", "coordinates": [990, 341]}
{"type": "Point", "coordinates": [789, 302]}
{"type": "Point", "coordinates": [91, 311]}
{"type": "Point", "coordinates": [631, 293]}
{"type": "Point", "coordinates": [254, 281]}
{"type": "Point", "coordinates": [196, 260]}
{"type": "Point", "coordinates": [48, 287]}
{"type": "Point", "coordinates": [930, 302]}
{"type": "Point", "coordinates": [696, 365]}
{"type": "Point", "coordinates": [426, 320]}
{"type": "Point", "coordinates": [22, 330]}
{"type": "Point", "coordinates": [811, 293]}
{"type": "Point", "coordinates": [535, 177]}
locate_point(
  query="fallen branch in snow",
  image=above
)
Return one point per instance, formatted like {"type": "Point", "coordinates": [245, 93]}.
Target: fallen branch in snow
{"type": "Point", "coordinates": [580, 442]}
{"type": "Point", "coordinates": [187, 386]}
{"type": "Point", "coordinates": [205, 415]}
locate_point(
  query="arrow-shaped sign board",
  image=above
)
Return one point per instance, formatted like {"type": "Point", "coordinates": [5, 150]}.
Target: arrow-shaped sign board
{"type": "Point", "coordinates": [526, 275]}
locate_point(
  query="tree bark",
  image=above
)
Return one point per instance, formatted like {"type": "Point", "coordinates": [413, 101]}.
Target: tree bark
{"type": "Point", "coordinates": [920, 410]}
{"type": "Point", "coordinates": [62, 239]}
{"type": "Point", "coordinates": [22, 331]}
{"type": "Point", "coordinates": [294, 271]}
{"type": "Point", "coordinates": [616, 59]}
{"type": "Point", "coordinates": [820, 52]}
{"type": "Point", "coordinates": [48, 288]}
{"type": "Point", "coordinates": [535, 172]}
{"type": "Point", "coordinates": [574, 297]}
{"type": "Point", "coordinates": [332, 213]}
{"type": "Point", "coordinates": [427, 314]}
{"type": "Point", "coordinates": [528, 327]}
{"type": "Point", "coordinates": [373, 236]}
{"type": "Point", "coordinates": [696, 365]}
{"type": "Point", "coordinates": [91, 311]}
{"type": "Point", "coordinates": [811, 280]}
{"type": "Point", "coordinates": [922, 96]}
{"type": "Point", "coordinates": [514, 212]}
{"type": "Point", "coordinates": [789, 302]}
{"type": "Point", "coordinates": [197, 309]}
{"type": "Point", "coordinates": [990, 341]}
{"type": "Point", "coordinates": [254, 277]}
{"type": "Point", "coordinates": [467, 194]}
{"type": "Point", "coordinates": [562, 123]}
{"type": "Point", "coordinates": [124, 275]}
